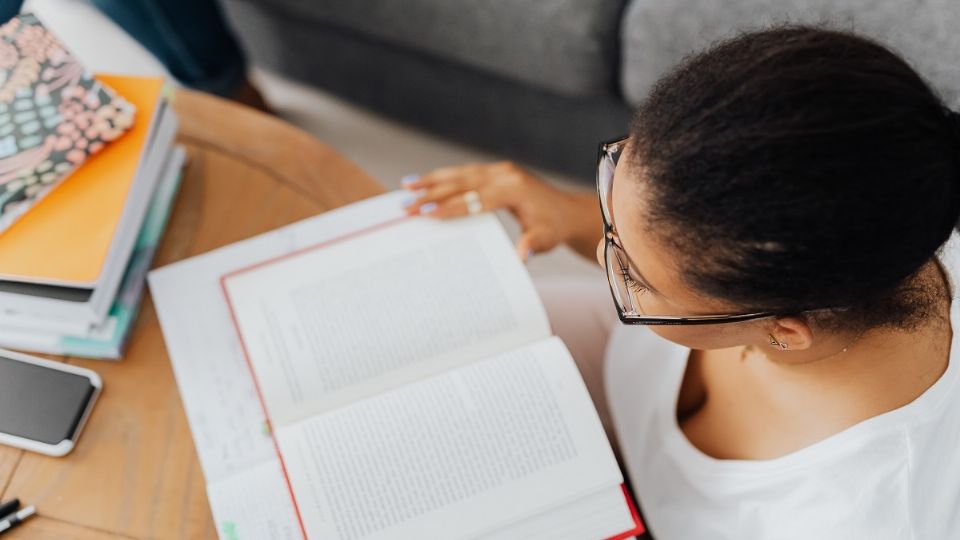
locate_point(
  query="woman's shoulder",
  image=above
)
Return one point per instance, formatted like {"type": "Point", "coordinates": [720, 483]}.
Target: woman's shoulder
{"type": "Point", "coordinates": [949, 256]}
{"type": "Point", "coordinates": [642, 375]}
{"type": "Point", "coordinates": [635, 351]}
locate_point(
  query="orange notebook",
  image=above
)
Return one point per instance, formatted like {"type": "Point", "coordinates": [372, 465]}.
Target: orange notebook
{"type": "Point", "coordinates": [66, 237]}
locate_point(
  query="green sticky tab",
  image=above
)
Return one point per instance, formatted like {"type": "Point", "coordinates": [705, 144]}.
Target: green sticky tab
{"type": "Point", "coordinates": [230, 530]}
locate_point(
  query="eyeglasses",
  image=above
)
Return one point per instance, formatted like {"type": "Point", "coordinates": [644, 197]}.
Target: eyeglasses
{"type": "Point", "coordinates": [623, 286]}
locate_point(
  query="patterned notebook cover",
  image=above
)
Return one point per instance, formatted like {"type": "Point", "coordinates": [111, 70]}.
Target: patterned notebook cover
{"type": "Point", "coordinates": [53, 115]}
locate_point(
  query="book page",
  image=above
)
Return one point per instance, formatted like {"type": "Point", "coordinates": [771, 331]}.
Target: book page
{"type": "Point", "coordinates": [603, 514]}
{"type": "Point", "coordinates": [386, 307]}
{"type": "Point", "coordinates": [254, 503]}
{"type": "Point", "coordinates": [457, 455]}
{"type": "Point", "coordinates": [226, 418]}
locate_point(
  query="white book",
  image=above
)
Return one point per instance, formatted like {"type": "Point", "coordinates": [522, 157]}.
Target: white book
{"type": "Point", "coordinates": [108, 339]}
{"type": "Point", "coordinates": [411, 385]}
{"type": "Point", "coordinates": [78, 309]}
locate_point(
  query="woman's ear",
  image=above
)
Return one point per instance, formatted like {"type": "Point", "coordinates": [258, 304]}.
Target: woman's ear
{"type": "Point", "coordinates": [793, 332]}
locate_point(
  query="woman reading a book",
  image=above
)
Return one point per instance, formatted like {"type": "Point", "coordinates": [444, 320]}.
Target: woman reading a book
{"type": "Point", "coordinates": [779, 240]}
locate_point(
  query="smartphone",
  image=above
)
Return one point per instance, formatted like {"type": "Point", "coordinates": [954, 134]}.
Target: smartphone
{"type": "Point", "coordinates": [44, 404]}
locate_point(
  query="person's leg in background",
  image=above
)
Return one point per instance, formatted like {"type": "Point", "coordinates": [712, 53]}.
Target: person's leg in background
{"type": "Point", "coordinates": [9, 8]}
{"type": "Point", "coordinates": [582, 314]}
{"type": "Point", "coordinates": [192, 39]}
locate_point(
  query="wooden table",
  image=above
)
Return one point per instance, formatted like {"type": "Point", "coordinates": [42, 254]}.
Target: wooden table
{"type": "Point", "coordinates": [134, 473]}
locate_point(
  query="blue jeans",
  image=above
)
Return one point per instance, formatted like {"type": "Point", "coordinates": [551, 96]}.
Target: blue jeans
{"type": "Point", "coordinates": [190, 38]}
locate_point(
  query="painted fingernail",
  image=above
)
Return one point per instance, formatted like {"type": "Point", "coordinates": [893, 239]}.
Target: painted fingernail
{"type": "Point", "coordinates": [427, 208]}
{"type": "Point", "coordinates": [407, 200]}
{"type": "Point", "coordinates": [529, 254]}
{"type": "Point", "coordinates": [409, 179]}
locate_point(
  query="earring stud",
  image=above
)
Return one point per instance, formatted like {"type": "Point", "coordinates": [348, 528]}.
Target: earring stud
{"type": "Point", "coordinates": [775, 343]}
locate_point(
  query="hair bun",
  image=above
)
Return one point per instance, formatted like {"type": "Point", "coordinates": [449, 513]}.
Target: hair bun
{"type": "Point", "coordinates": [953, 117]}
{"type": "Point", "coordinates": [953, 120]}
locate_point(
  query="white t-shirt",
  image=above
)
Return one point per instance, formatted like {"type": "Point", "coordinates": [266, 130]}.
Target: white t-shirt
{"type": "Point", "coordinates": [893, 476]}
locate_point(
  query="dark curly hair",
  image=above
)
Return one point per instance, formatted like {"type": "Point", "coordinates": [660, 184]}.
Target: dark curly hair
{"type": "Point", "coordinates": [801, 168]}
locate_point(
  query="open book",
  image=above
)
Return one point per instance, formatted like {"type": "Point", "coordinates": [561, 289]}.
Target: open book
{"type": "Point", "coordinates": [414, 390]}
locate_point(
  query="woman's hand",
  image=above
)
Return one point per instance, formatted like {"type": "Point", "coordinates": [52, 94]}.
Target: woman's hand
{"type": "Point", "coordinates": [548, 216]}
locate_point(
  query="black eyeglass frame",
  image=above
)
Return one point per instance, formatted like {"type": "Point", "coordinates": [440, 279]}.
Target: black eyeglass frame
{"type": "Point", "coordinates": [610, 237]}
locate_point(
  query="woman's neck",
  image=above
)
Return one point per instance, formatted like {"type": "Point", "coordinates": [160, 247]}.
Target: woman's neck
{"type": "Point", "coordinates": [877, 370]}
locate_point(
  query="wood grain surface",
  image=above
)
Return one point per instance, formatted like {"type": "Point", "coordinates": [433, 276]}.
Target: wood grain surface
{"type": "Point", "coordinates": [134, 473]}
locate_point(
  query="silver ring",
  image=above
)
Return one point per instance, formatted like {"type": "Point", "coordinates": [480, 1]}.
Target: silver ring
{"type": "Point", "coordinates": [472, 198]}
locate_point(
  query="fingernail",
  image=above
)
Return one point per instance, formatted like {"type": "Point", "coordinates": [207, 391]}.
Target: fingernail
{"type": "Point", "coordinates": [409, 179]}
{"type": "Point", "coordinates": [427, 208]}
{"type": "Point", "coordinates": [529, 254]}
{"type": "Point", "coordinates": [407, 200]}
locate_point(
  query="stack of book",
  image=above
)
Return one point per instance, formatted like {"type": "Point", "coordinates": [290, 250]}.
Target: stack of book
{"type": "Point", "coordinates": [88, 173]}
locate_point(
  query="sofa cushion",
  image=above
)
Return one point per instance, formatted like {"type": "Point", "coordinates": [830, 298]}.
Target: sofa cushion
{"type": "Point", "coordinates": [568, 46]}
{"type": "Point", "coordinates": [658, 33]}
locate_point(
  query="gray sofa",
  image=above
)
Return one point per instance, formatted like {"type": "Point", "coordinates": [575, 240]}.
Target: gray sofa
{"type": "Point", "coordinates": [542, 81]}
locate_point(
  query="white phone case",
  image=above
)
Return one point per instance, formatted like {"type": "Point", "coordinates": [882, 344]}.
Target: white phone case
{"type": "Point", "coordinates": [63, 447]}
